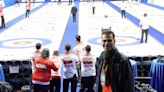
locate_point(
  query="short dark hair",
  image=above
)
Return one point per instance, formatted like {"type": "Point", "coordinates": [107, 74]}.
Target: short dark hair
{"type": "Point", "coordinates": [145, 14]}
{"type": "Point", "coordinates": [56, 52]}
{"type": "Point", "coordinates": [88, 48]}
{"type": "Point", "coordinates": [38, 46]}
{"type": "Point", "coordinates": [78, 37]}
{"type": "Point", "coordinates": [67, 47]}
{"type": "Point", "coordinates": [108, 32]}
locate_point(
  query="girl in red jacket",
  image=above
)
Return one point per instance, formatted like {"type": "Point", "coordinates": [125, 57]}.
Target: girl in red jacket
{"type": "Point", "coordinates": [42, 72]}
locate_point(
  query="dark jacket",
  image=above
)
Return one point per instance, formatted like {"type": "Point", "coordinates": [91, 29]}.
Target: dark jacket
{"type": "Point", "coordinates": [122, 76]}
{"type": "Point", "coordinates": [74, 10]}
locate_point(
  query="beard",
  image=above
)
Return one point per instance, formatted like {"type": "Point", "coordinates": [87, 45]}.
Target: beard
{"type": "Point", "coordinates": [109, 47]}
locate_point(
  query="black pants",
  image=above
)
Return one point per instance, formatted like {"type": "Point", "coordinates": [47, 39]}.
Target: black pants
{"type": "Point", "coordinates": [55, 82]}
{"type": "Point", "coordinates": [41, 88]}
{"type": "Point", "coordinates": [87, 82]}
{"type": "Point", "coordinates": [2, 21]}
{"type": "Point", "coordinates": [73, 82]}
{"type": "Point", "coordinates": [27, 13]}
{"type": "Point", "coordinates": [70, 2]}
{"type": "Point", "coordinates": [74, 18]}
{"type": "Point", "coordinates": [123, 14]}
{"type": "Point", "coordinates": [144, 31]}
{"type": "Point", "coordinates": [93, 10]}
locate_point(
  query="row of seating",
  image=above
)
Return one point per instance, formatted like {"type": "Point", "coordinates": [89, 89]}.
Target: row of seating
{"type": "Point", "coordinates": [23, 68]}
{"type": "Point", "coordinates": [143, 64]}
{"type": "Point", "coordinates": [145, 58]}
{"type": "Point", "coordinates": [19, 66]}
{"type": "Point", "coordinates": [17, 72]}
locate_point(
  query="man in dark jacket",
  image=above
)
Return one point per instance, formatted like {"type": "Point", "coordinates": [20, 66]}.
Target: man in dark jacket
{"type": "Point", "coordinates": [114, 71]}
{"type": "Point", "coordinates": [73, 12]}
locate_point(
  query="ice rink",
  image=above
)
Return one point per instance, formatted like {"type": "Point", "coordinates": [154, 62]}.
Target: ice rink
{"type": "Point", "coordinates": [51, 24]}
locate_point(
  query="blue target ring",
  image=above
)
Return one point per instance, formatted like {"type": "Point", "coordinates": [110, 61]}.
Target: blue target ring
{"type": "Point", "coordinates": [43, 41]}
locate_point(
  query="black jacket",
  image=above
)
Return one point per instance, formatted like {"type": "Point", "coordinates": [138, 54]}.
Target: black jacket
{"type": "Point", "coordinates": [122, 76]}
{"type": "Point", "coordinates": [74, 10]}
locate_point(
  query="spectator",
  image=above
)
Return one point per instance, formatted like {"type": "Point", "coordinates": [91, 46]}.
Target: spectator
{"type": "Point", "coordinates": [56, 75]}
{"type": "Point", "coordinates": [114, 71]}
{"type": "Point", "coordinates": [36, 53]}
{"type": "Point", "coordinates": [70, 71]}
{"type": "Point", "coordinates": [78, 50]}
{"type": "Point", "coordinates": [88, 70]}
{"type": "Point", "coordinates": [42, 73]}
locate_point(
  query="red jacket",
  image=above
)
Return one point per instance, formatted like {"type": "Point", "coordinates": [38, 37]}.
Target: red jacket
{"type": "Point", "coordinates": [42, 71]}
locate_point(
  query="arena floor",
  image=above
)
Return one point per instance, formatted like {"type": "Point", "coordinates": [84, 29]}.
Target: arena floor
{"type": "Point", "coordinates": [49, 22]}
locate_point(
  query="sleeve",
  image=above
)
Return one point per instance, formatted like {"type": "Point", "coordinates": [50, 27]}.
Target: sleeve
{"type": "Point", "coordinates": [75, 59]}
{"type": "Point", "coordinates": [52, 65]}
{"type": "Point", "coordinates": [141, 22]}
{"type": "Point", "coordinates": [60, 65]}
{"type": "Point", "coordinates": [32, 61]}
{"type": "Point", "coordinates": [75, 9]}
{"type": "Point", "coordinates": [129, 83]}
{"type": "Point", "coordinates": [94, 60]}
{"type": "Point", "coordinates": [74, 50]}
{"type": "Point", "coordinates": [98, 60]}
{"type": "Point", "coordinates": [72, 10]}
